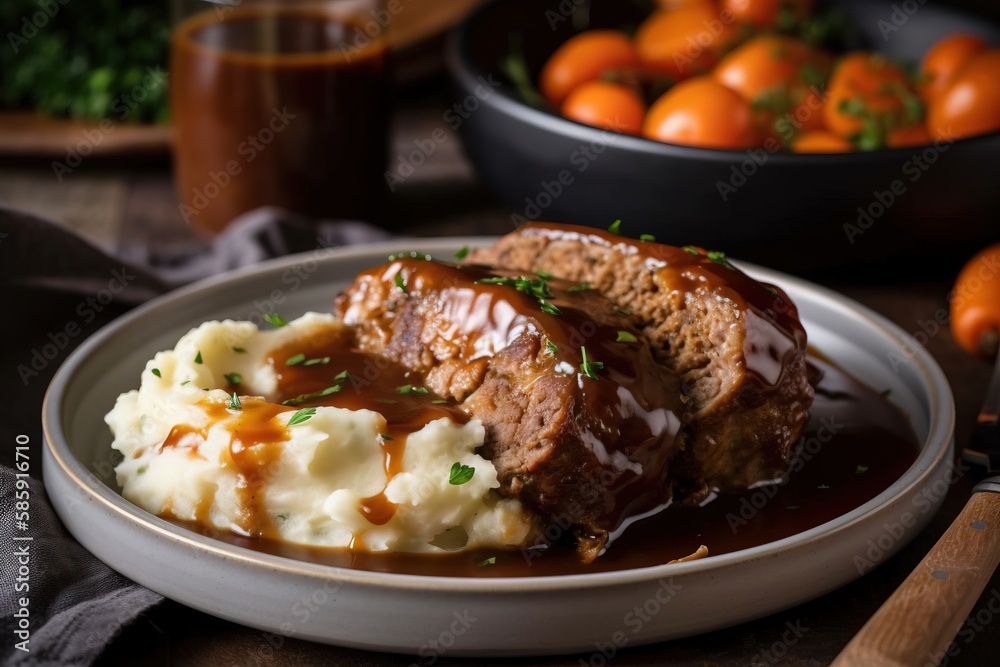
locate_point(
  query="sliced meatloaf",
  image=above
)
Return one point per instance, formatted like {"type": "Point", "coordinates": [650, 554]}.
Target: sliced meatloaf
{"type": "Point", "coordinates": [736, 343]}
{"type": "Point", "coordinates": [581, 419]}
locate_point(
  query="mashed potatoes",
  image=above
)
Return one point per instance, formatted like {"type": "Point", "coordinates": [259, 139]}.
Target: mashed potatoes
{"type": "Point", "coordinates": [187, 443]}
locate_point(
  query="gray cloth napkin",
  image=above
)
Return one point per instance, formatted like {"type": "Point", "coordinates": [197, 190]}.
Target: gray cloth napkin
{"type": "Point", "coordinates": [76, 605]}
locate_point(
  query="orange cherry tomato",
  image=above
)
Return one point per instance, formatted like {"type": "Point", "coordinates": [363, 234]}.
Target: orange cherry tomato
{"type": "Point", "coordinates": [905, 137]}
{"type": "Point", "coordinates": [765, 13]}
{"type": "Point", "coordinates": [777, 75]}
{"type": "Point", "coordinates": [612, 106]}
{"type": "Point", "coordinates": [821, 142]}
{"type": "Point", "coordinates": [865, 85]}
{"type": "Point", "coordinates": [975, 304]}
{"type": "Point", "coordinates": [971, 104]}
{"type": "Point", "coordinates": [702, 112]}
{"type": "Point", "coordinates": [684, 42]}
{"type": "Point", "coordinates": [944, 60]}
{"type": "Point", "coordinates": [582, 58]}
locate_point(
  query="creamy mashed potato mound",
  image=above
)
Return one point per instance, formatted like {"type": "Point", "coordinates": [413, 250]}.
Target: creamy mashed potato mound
{"type": "Point", "coordinates": [312, 487]}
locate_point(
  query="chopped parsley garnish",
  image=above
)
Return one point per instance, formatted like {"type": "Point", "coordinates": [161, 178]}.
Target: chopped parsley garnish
{"type": "Point", "coordinates": [615, 227]}
{"type": "Point", "coordinates": [233, 378]}
{"type": "Point", "coordinates": [301, 416]}
{"type": "Point", "coordinates": [579, 288]}
{"type": "Point", "coordinates": [302, 398]}
{"type": "Point", "coordinates": [623, 311]}
{"type": "Point", "coordinates": [295, 359]}
{"type": "Point", "coordinates": [544, 275]}
{"type": "Point", "coordinates": [410, 389]}
{"type": "Point", "coordinates": [691, 250]}
{"type": "Point", "coordinates": [439, 401]}
{"type": "Point", "coordinates": [771, 289]}
{"type": "Point", "coordinates": [234, 402]}
{"type": "Point", "coordinates": [489, 561]}
{"type": "Point", "coordinates": [185, 382]}
{"type": "Point", "coordinates": [460, 474]}
{"type": "Point", "coordinates": [860, 470]}
{"type": "Point", "coordinates": [626, 337]}
{"type": "Point", "coordinates": [156, 372]}
{"type": "Point", "coordinates": [387, 438]}
{"type": "Point", "coordinates": [714, 255]}
{"type": "Point", "coordinates": [647, 237]}
{"type": "Point", "coordinates": [413, 254]}
{"type": "Point", "coordinates": [301, 360]}
{"type": "Point", "coordinates": [400, 283]}
{"type": "Point", "coordinates": [588, 366]}
{"type": "Point", "coordinates": [384, 400]}
{"type": "Point", "coordinates": [537, 288]}
{"type": "Point", "coordinates": [315, 362]}
{"type": "Point", "coordinates": [551, 347]}
{"type": "Point", "coordinates": [239, 350]}
{"type": "Point", "coordinates": [342, 375]}
{"type": "Point", "coordinates": [282, 518]}
{"type": "Point", "coordinates": [275, 319]}
{"type": "Point", "coordinates": [141, 470]}
{"type": "Point", "coordinates": [462, 253]}
{"type": "Point", "coordinates": [197, 358]}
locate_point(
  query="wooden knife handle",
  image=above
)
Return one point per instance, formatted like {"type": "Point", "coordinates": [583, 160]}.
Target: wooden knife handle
{"type": "Point", "coordinates": [920, 620]}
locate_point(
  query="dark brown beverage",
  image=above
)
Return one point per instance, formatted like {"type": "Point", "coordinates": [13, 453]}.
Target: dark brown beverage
{"type": "Point", "coordinates": [277, 105]}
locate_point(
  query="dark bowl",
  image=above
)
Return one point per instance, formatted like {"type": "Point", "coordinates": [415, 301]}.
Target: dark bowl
{"type": "Point", "coordinates": [793, 211]}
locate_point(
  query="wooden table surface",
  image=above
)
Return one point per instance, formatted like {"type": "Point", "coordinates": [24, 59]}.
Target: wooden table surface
{"type": "Point", "coordinates": [130, 211]}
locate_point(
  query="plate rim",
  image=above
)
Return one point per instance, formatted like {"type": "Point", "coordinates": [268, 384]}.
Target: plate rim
{"type": "Point", "coordinates": [934, 448]}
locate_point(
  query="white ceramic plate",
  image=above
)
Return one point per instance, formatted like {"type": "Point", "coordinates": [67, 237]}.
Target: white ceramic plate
{"type": "Point", "coordinates": [432, 615]}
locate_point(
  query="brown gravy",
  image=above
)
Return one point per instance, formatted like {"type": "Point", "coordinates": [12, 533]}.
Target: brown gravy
{"type": "Point", "coordinates": [857, 444]}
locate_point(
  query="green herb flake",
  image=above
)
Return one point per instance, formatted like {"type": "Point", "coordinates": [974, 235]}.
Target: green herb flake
{"type": "Point", "coordinates": [589, 367]}
{"type": "Point", "coordinates": [387, 438]}
{"type": "Point", "coordinates": [623, 311]}
{"type": "Point", "coordinates": [185, 382]}
{"type": "Point", "coordinates": [439, 401]}
{"type": "Point", "coordinates": [549, 307]}
{"type": "Point", "coordinates": [615, 227]}
{"type": "Point", "coordinates": [626, 337]}
{"type": "Point", "coordinates": [156, 372]}
{"type": "Point", "coordinates": [544, 275]}
{"type": "Point", "coordinates": [282, 518]}
{"type": "Point", "coordinates": [342, 375]}
{"type": "Point", "coordinates": [649, 238]}
{"type": "Point", "coordinates": [275, 319]}
{"type": "Point", "coordinates": [302, 398]}
{"type": "Point", "coordinates": [234, 403]}
{"type": "Point", "coordinates": [860, 470]}
{"type": "Point", "coordinates": [295, 360]}
{"type": "Point", "coordinates": [385, 400]}
{"type": "Point", "coordinates": [317, 362]}
{"type": "Point", "coordinates": [141, 470]}
{"type": "Point", "coordinates": [233, 378]}
{"type": "Point", "coordinates": [301, 416]}
{"type": "Point", "coordinates": [489, 561]}
{"type": "Point", "coordinates": [551, 347]}
{"type": "Point", "coordinates": [410, 389]}
{"type": "Point", "coordinates": [400, 283]}
{"type": "Point", "coordinates": [579, 288]}
{"type": "Point", "coordinates": [197, 358]}
{"type": "Point", "coordinates": [823, 486]}
{"type": "Point", "coordinates": [690, 249]}
{"type": "Point", "coordinates": [460, 474]}
{"type": "Point", "coordinates": [413, 254]}
{"type": "Point", "coordinates": [239, 350]}
{"type": "Point", "coordinates": [462, 253]}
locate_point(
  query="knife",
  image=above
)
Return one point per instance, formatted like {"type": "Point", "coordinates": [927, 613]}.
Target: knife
{"type": "Point", "coordinates": [918, 622]}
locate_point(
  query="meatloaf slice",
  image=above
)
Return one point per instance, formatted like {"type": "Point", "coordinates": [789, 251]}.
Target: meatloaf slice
{"type": "Point", "coordinates": [737, 344]}
{"type": "Point", "coordinates": [581, 420]}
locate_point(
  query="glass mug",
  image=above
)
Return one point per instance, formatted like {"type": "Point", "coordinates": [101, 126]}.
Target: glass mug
{"type": "Point", "coordinates": [281, 103]}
